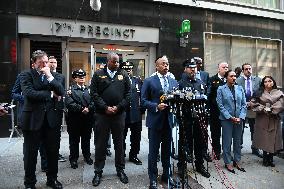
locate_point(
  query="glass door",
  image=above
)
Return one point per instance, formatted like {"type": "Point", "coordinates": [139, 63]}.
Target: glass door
{"type": "Point", "coordinates": [140, 61]}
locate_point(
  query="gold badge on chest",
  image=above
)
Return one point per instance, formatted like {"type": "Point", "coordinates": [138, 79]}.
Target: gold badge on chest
{"type": "Point", "coordinates": [120, 77]}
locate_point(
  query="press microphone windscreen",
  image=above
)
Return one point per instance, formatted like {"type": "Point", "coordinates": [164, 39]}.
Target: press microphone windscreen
{"type": "Point", "coordinates": [95, 5]}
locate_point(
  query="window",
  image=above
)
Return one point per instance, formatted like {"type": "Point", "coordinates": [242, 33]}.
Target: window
{"type": "Point", "coordinates": [262, 54]}
{"type": "Point", "coordinates": [271, 4]}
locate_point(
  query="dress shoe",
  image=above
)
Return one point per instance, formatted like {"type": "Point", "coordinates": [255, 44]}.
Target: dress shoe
{"type": "Point", "coordinates": [230, 169]}
{"type": "Point", "coordinates": [88, 160]}
{"type": "Point", "coordinates": [54, 183]}
{"type": "Point", "coordinates": [201, 169]}
{"type": "Point", "coordinates": [122, 177]}
{"type": "Point", "coordinates": [207, 157]}
{"type": "Point", "coordinates": [108, 153]}
{"type": "Point", "coordinates": [74, 164]}
{"type": "Point", "coordinates": [169, 180]}
{"type": "Point", "coordinates": [256, 152]}
{"type": "Point", "coordinates": [153, 185]}
{"type": "Point", "coordinates": [61, 158]}
{"type": "Point", "coordinates": [135, 160]}
{"type": "Point", "coordinates": [235, 164]}
{"type": "Point", "coordinates": [97, 179]}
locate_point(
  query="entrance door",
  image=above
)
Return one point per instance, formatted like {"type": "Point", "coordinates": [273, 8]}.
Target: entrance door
{"type": "Point", "coordinates": [140, 61]}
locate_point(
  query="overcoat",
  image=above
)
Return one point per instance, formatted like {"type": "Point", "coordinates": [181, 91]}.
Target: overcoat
{"type": "Point", "coordinates": [268, 133]}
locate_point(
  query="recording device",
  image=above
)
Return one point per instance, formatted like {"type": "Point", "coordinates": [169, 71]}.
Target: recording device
{"type": "Point", "coordinates": [7, 106]}
{"type": "Point", "coordinates": [186, 94]}
{"type": "Point", "coordinates": [95, 5]}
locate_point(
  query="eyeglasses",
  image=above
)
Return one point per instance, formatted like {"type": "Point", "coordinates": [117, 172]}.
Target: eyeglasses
{"type": "Point", "coordinates": [247, 68]}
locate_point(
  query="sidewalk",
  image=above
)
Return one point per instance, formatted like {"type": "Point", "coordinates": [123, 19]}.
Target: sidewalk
{"type": "Point", "coordinates": [256, 177]}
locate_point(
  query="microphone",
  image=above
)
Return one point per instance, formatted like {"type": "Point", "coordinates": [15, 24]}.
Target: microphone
{"type": "Point", "coordinates": [95, 5]}
{"type": "Point", "coordinates": [162, 96]}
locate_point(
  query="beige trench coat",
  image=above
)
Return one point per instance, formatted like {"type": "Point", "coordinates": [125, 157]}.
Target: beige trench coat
{"type": "Point", "coordinates": [268, 132]}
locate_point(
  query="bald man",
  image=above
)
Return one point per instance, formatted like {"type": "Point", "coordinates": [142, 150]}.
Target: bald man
{"type": "Point", "coordinates": [215, 124]}
{"type": "Point", "coordinates": [158, 121]}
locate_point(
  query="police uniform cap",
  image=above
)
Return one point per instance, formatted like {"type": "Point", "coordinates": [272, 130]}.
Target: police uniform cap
{"type": "Point", "coordinates": [78, 73]}
{"type": "Point", "coordinates": [197, 60]}
{"type": "Point", "coordinates": [127, 65]}
{"type": "Point", "coordinates": [189, 64]}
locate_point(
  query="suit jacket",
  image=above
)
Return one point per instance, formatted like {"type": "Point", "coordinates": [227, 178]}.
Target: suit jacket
{"type": "Point", "coordinates": [214, 83]}
{"type": "Point", "coordinates": [229, 105]}
{"type": "Point", "coordinates": [150, 96]}
{"type": "Point", "coordinates": [38, 101]}
{"type": "Point", "coordinates": [255, 83]}
{"type": "Point", "coordinates": [255, 89]}
{"type": "Point", "coordinates": [18, 98]}
{"type": "Point", "coordinates": [204, 76]}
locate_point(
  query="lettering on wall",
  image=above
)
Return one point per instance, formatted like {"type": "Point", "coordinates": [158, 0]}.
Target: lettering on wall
{"type": "Point", "coordinates": [93, 31]}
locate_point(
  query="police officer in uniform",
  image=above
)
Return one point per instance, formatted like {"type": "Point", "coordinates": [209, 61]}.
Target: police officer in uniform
{"type": "Point", "coordinates": [110, 91]}
{"type": "Point", "coordinates": [79, 119]}
{"type": "Point", "coordinates": [134, 113]}
{"type": "Point", "coordinates": [193, 129]}
{"type": "Point", "coordinates": [215, 124]}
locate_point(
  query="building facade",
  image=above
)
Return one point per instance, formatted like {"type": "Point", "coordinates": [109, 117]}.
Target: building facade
{"type": "Point", "coordinates": [236, 31]}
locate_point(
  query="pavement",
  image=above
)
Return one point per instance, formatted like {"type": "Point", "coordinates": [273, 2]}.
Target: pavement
{"type": "Point", "coordinates": [255, 177]}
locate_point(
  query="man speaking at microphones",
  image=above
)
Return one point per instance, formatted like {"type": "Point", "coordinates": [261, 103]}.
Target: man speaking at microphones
{"type": "Point", "coordinates": [158, 121]}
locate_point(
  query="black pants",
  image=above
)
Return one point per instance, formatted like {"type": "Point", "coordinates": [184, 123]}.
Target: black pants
{"type": "Point", "coordinates": [194, 135]}
{"type": "Point", "coordinates": [50, 138]}
{"type": "Point", "coordinates": [157, 137]}
{"type": "Point", "coordinates": [105, 124]}
{"type": "Point", "coordinates": [215, 128]}
{"type": "Point", "coordinates": [135, 137]}
{"type": "Point", "coordinates": [76, 132]}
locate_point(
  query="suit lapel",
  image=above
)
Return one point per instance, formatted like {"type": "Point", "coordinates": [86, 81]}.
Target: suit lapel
{"type": "Point", "coordinates": [157, 82]}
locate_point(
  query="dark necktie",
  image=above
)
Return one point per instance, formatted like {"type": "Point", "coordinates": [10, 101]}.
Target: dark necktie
{"type": "Point", "coordinates": [248, 91]}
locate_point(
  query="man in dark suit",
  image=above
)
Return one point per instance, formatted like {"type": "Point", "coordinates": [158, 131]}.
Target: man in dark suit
{"type": "Point", "coordinates": [17, 96]}
{"type": "Point", "coordinates": [251, 86]}
{"type": "Point", "coordinates": [158, 121]}
{"type": "Point", "coordinates": [110, 91]}
{"type": "Point", "coordinates": [215, 124]}
{"type": "Point", "coordinates": [52, 63]}
{"type": "Point", "coordinates": [203, 76]}
{"type": "Point", "coordinates": [40, 118]}
{"type": "Point", "coordinates": [134, 113]}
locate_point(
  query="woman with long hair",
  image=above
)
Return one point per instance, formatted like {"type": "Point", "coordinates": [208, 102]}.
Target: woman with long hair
{"type": "Point", "coordinates": [268, 104]}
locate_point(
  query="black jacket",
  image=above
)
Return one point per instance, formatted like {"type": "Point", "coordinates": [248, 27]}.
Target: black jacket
{"type": "Point", "coordinates": [107, 91]}
{"type": "Point", "coordinates": [38, 100]}
{"type": "Point", "coordinates": [215, 82]}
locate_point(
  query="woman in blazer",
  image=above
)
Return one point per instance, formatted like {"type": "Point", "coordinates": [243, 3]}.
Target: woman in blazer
{"type": "Point", "coordinates": [268, 106]}
{"type": "Point", "coordinates": [232, 105]}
